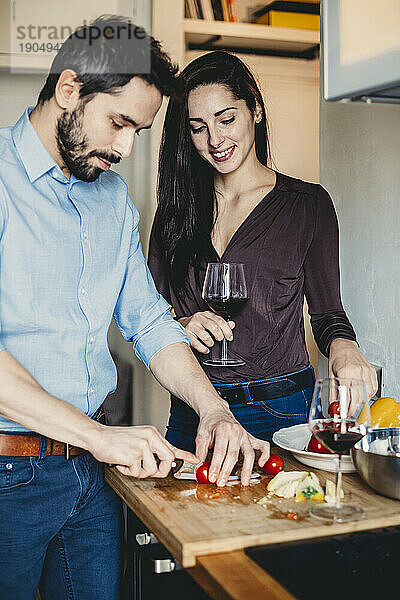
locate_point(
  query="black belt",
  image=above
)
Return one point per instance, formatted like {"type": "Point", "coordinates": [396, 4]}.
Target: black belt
{"type": "Point", "coordinates": [268, 389]}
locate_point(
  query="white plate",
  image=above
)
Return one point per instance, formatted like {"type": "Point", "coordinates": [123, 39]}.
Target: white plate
{"type": "Point", "coordinates": [296, 438]}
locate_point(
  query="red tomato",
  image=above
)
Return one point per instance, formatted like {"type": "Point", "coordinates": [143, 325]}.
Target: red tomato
{"type": "Point", "coordinates": [334, 408]}
{"type": "Point", "coordinates": [202, 473]}
{"type": "Point", "coordinates": [292, 516]}
{"type": "Point", "coordinates": [315, 445]}
{"type": "Point", "coordinates": [273, 465]}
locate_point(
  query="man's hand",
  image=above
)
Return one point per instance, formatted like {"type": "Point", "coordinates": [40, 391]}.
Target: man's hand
{"type": "Point", "coordinates": [203, 328]}
{"type": "Point", "coordinates": [220, 428]}
{"type": "Point", "coordinates": [346, 361]}
{"type": "Point", "coordinates": [176, 368]}
{"type": "Point", "coordinates": [139, 451]}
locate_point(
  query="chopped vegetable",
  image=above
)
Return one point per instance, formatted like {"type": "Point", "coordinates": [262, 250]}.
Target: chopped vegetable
{"type": "Point", "coordinates": [292, 516]}
{"type": "Point", "coordinates": [302, 484]}
{"type": "Point", "coordinates": [309, 489]}
{"type": "Point", "coordinates": [309, 492]}
{"type": "Point", "coordinates": [285, 483]}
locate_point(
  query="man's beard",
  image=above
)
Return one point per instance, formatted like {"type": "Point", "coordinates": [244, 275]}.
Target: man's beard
{"type": "Point", "coordinates": [72, 144]}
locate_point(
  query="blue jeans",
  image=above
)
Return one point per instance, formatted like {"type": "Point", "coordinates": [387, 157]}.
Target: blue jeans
{"type": "Point", "coordinates": [60, 529]}
{"type": "Point", "coordinates": [259, 417]}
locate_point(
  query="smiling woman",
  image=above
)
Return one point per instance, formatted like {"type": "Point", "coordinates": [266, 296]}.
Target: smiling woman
{"type": "Point", "coordinates": [219, 200]}
{"type": "Point", "coordinates": [224, 135]}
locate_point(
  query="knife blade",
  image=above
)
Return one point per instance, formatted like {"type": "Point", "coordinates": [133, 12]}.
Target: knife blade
{"type": "Point", "coordinates": [186, 470]}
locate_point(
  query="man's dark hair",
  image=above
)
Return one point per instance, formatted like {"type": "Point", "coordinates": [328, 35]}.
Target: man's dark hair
{"type": "Point", "coordinates": [106, 54]}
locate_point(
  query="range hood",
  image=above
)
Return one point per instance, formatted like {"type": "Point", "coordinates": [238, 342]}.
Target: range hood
{"type": "Point", "coordinates": [361, 50]}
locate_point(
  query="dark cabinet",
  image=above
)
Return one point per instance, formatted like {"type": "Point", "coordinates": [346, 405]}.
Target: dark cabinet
{"type": "Point", "coordinates": [152, 572]}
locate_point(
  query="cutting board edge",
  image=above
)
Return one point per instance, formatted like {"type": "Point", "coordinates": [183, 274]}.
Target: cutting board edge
{"type": "Point", "coordinates": [191, 550]}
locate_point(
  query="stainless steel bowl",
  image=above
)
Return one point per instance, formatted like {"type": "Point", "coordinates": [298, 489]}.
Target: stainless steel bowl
{"type": "Point", "coordinates": [380, 471]}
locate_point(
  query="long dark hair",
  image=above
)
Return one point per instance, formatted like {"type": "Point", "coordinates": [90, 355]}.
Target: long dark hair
{"type": "Point", "coordinates": [185, 214]}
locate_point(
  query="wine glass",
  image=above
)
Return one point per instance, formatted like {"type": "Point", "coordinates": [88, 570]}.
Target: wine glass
{"type": "Point", "coordinates": [339, 418]}
{"type": "Point", "coordinates": [225, 292]}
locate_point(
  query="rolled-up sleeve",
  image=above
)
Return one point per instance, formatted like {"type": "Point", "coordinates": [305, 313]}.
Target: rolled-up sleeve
{"type": "Point", "coordinates": [141, 313]}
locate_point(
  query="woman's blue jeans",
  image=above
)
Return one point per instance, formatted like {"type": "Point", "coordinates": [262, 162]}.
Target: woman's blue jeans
{"type": "Point", "coordinates": [261, 418]}
{"type": "Point", "coordinates": [60, 528]}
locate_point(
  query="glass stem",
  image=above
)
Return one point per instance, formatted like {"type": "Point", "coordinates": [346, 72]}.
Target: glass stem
{"type": "Point", "coordinates": [338, 462]}
{"type": "Point", "coordinates": [224, 349]}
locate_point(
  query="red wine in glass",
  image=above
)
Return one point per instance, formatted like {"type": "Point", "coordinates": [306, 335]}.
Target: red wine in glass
{"type": "Point", "coordinates": [226, 307]}
{"type": "Point", "coordinates": [335, 440]}
{"type": "Point", "coordinates": [339, 432]}
{"type": "Point", "coordinates": [225, 292]}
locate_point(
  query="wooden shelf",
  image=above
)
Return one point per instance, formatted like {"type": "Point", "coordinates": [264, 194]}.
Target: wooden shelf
{"type": "Point", "coordinates": [26, 63]}
{"type": "Point", "coordinates": [250, 37]}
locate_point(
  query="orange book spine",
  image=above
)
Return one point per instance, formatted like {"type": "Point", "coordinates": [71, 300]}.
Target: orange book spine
{"type": "Point", "coordinates": [232, 11]}
{"type": "Point", "coordinates": [225, 9]}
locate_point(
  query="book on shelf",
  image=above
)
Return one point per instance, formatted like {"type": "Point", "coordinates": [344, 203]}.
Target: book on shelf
{"type": "Point", "coordinates": [207, 10]}
{"type": "Point", "coordinates": [301, 14]}
{"type": "Point", "coordinates": [232, 11]}
{"type": "Point", "coordinates": [193, 9]}
{"type": "Point", "coordinates": [198, 9]}
{"type": "Point", "coordinates": [211, 10]}
{"type": "Point", "coordinates": [217, 10]}
{"type": "Point", "coordinates": [190, 9]}
{"type": "Point", "coordinates": [225, 9]}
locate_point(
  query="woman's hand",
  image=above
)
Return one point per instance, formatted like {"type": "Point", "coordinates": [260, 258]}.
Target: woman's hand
{"type": "Point", "coordinates": [203, 328]}
{"type": "Point", "coordinates": [346, 360]}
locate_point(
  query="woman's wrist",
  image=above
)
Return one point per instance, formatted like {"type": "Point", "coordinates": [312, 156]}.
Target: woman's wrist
{"type": "Point", "coordinates": [340, 344]}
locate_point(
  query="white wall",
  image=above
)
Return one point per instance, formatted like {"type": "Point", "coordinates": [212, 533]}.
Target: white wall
{"type": "Point", "coordinates": [16, 93]}
{"type": "Point", "coordinates": [360, 166]}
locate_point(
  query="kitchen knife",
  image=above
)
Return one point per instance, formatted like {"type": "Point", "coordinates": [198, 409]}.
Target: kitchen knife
{"type": "Point", "coordinates": [185, 470]}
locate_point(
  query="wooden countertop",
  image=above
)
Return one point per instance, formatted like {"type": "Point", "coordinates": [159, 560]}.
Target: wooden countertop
{"type": "Point", "coordinates": [194, 520]}
{"type": "Point", "coordinates": [206, 528]}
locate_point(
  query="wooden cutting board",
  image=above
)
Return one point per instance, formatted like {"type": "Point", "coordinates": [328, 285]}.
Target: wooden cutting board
{"type": "Point", "coordinates": [193, 519]}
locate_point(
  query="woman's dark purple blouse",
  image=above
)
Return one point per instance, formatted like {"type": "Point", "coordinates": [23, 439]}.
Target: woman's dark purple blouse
{"type": "Point", "coordinates": [289, 245]}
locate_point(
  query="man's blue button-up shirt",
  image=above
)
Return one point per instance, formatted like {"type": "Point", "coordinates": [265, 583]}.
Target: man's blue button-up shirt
{"type": "Point", "coordinates": [70, 260]}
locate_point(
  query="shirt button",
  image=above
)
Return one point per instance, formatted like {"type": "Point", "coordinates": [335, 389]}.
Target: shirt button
{"type": "Point", "coordinates": [91, 390]}
{"type": "Point", "coordinates": [91, 340]}
{"type": "Point", "coordinates": [83, 291]}
{"type": "Point", "coordinates": [9, 466]}
{"type": "Point", "coordinates": [85, 235]}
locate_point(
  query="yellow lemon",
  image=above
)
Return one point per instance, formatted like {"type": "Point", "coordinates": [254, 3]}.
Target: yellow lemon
{"type": "Point", "coordinates": [385, 412]}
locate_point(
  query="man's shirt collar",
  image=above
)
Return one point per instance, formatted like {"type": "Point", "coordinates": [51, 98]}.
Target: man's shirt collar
{"type": "Point", "coordinates": [34, 156]}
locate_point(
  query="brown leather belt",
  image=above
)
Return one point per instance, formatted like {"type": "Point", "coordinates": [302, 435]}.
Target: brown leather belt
{"type": "Point", "coordinates": [29, 445]}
